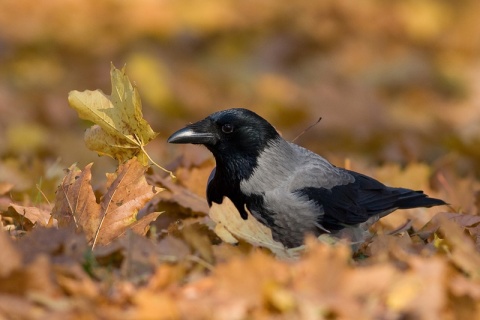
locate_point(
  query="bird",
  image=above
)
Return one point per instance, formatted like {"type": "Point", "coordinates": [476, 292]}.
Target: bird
{"type": "Point", "coordinates": [289, 189]}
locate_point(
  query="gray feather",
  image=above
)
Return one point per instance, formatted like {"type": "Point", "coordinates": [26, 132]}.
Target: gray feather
{"type": "Point", "coordinates": [290, 167]}
{"type": "Point", "coordinates": [282, 169]}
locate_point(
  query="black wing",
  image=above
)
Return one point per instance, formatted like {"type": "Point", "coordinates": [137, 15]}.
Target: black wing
{"type": "Point", "coordinates": [362, 199]}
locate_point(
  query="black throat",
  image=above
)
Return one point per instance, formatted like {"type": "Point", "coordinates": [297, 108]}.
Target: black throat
{"type": "Point", "coordinates": [226, 182]}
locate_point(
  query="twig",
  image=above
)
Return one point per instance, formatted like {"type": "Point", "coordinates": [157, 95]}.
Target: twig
{"type": "Point", "coordinates": [307, 129]}
{"type": "Point", "coordinates": [43, 194]}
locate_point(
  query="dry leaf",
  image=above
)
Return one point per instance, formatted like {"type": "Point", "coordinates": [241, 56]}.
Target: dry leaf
{"type": "Point", "coordinates": [33, 277]}
{"type": "Point", "coordinates": [120, 130]}
{"type": "Point", "coordinates": [182, 196]}
{"type": "Point", "coordinates": [230, 226]}
{"type": "Point", "coordinates": [195, 178]}
{"type": "Point", "coordinates": [127, 192]}
{"type": "Point", "coordinates": [17, 307]}
{"type": "Point", "coordinates": [32, 214]}
{"type": "Point", "coordinates": [10, 257]}
{"type": "Point", "coordinates": [155, 305]}
{"type": "Point", "coordinates": [461, 249]}
{"type": "Point", "coordinates": [61, 245]}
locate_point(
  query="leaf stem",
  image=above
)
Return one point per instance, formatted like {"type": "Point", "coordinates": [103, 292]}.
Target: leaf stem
{"type": "Point", "coordinates": [156, 164]}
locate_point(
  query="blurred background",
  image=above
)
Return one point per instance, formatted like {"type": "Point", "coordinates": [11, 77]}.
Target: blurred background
{"type": "Point", "coordinates": [394, 81]}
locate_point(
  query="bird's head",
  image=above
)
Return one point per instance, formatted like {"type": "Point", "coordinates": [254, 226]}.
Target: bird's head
{"type": "Point", "coordinates": [231, 133]}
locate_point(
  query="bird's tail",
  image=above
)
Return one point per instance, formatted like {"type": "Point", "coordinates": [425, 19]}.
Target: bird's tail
{"type": "Point", "coordinates": [408, 199]}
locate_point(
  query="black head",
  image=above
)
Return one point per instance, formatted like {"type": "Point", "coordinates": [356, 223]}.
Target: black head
{"type": "Point", "coordinates": [229, 133]}
{"type": "Point", "coordinates": [235, 137]}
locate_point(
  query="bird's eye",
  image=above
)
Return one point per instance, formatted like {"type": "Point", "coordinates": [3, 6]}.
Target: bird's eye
{"type": "Point", "coordinates": [227, 128]}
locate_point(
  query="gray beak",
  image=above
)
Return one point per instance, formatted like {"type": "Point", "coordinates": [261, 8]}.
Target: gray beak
{"type": "Point", "coordinates": [197, 133]}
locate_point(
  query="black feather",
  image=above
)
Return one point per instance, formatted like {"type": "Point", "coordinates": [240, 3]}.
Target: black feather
{"type": "Point", "coordinates": [356, 202]}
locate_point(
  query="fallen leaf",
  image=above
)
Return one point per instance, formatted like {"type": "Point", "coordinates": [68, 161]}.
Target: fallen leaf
{"type": "Point", "coordinates": [33, 277]}
{"type": "Point", "coordinates": [17, 307]}
{"type": "Point", "coordinates": [155, 305]}
{"type": "Point", "coordinates": [61, 245]}
{"type": "Point", "coordinates": [182, 196]}
{"type": "Point", "coordinates": [230, 226]}
{"type": "Point", "coordinates": [195, 236]}
{"type": "Point", "coordinates": [234, 289]}
{"type": "Point", "coordinates": [142, 226]}
{"type": "Point", "coordinates": [76, 282]}
{"type": "Point", "coordinates": [461, 286]}
{"type": "Point", "coordinates": [32, 214]}
{"type": "Point", "coordinates": [464, 220]}
{"type": "Point", "coordinates": [465, 297]}
{"type": "Point", "coordinates": [127, 192]}
{"type": "Point", "coordinates": [195, 178]}
{"type": "Point", "coordinates": [120, 130]}
{"type": "Point", "coordinates": [10, 257]}
{"type": "Point", "coordinates": [461, 249]}
{"type": "Point", "coordinates": [75, 203]}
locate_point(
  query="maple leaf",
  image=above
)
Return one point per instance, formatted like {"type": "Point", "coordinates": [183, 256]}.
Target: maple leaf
{"type": "Point", "coordinates": [120, 131]}
{"type": "Point", "coordinates": [127, 192]}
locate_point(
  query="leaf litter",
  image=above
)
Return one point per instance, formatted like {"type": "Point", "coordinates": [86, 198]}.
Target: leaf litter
{"type": "Point", "coordinates": [112, 255]}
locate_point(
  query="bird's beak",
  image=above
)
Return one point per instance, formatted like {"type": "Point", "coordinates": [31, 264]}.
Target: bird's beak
{"type": "Point", "coordinates": [197, 133]}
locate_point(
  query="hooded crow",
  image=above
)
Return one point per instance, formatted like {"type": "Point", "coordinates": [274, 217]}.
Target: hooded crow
{"type": "Point", "coordinates": [287, 188]}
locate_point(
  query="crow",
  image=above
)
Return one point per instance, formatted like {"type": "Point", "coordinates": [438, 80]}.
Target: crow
{"type": "Point", "coordinates": [287, 188]}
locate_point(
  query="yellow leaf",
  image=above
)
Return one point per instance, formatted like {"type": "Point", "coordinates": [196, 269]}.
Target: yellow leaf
{"type": "Point", "coordinates": [120, 131]}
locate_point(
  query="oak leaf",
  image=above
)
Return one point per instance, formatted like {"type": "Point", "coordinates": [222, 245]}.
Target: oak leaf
{"type": "Point", "coordinates": [127, 192]}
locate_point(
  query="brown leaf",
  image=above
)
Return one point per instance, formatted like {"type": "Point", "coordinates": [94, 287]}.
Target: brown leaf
{"type": "Point", "coordinates": [195, 178]}
{"type": "Point", "coordinates": [465, 295]}
{"type": "Point", "coordinates": [464, 220]}
{"type": "Point", "coordinates": [33, 215]}
{"type": "Point", "coordinates": [127, 192]}
{"type": "Point", "coordinates": [463, 252]}
{"type": "Point", "coordinates": [17, 307]}
{"type": "Point", "coordinates": [75, 282]}
{"type": "Point", "coordinates": [195, 236]}
{"type": "Point", "coordinates": [34, 277]}
{"type": "Point", "coordinates": [61, 245]}
{"type": "Point", "coordinates": [182, 196]}
{"type": "Point", "coordinates": [125, 196]}
{"type": "Point", "coordinates": [75, 203]}
{"type": "Point", "coordinates": [172, 249]}
{"type": "Point", "coordinates": [248, 278]}
{"type": "Point", "coordinates": [142, 226]}
{"type": "Point", "coordinates": [150, 303]}
{"type": "Point", "coordinates": [420, 292]}
{"type": "Point", "coordinates": [9, 256]}
{"type": "Point", "coordinates": [461, 286]}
